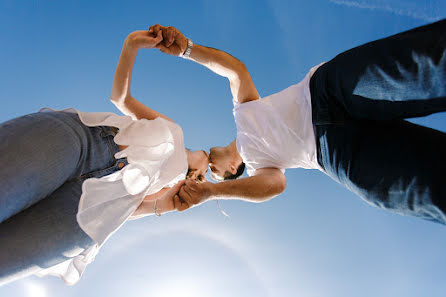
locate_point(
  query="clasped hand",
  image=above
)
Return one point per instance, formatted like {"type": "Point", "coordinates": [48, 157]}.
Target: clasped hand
{"type": "Point", "coordinates": [192, 193]}
{"type": "Point", "coordinates": [183, 195]}
{"type": "Point", "coordinates": [167, 39]}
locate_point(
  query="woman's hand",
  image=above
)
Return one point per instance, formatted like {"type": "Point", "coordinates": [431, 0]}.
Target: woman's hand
{"type": "Point", "coordinates": [170, 200]}
{"type": "Point", "coordinates": [166, 200]}
{"type": "Point", "coordinates": [143, 39]}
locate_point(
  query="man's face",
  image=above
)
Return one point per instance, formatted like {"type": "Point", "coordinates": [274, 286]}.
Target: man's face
{"type": "Point", "coordinates": [219, 162]}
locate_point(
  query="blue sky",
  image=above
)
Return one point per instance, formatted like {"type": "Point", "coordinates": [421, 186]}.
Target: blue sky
{"type": "Point", "coordinates": [315, 240]}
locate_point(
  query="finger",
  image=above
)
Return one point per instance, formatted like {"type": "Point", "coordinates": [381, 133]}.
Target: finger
{"type": "Point", "coordinates": [192, 185]}
{"type": "Point", "coordinates": [175, 189]}
{"type": "Point", "coordinates": [176, 201]}
{"type": "Point", "coordinates": [155, 29]}
{"type": "Point", "coordinates": [190, 195]}
{"type": "Point", "coordinates": [183, 194]}
{"type": "Point", "coordinates": [180, 205]}
{"type": "Point", "coordinates": [152, 29]}
{"type": "Point", "coordinates": [170, 36]}
{"type": "Point", "coordinates": [181, 183]}
{"type": "Point", "coordinates": [178, 185]}
{"type": "Point", "coordinates": [162, 48]}
{"type": "Point", "coordinates": [159, 37]}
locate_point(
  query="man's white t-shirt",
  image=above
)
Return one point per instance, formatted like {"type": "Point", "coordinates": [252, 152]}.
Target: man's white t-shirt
{"type": "Point", "coordinates": [277, 131]}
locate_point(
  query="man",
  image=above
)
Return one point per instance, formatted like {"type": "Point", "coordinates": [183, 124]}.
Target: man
{"type": "Point", "coordinates": [346, 118]}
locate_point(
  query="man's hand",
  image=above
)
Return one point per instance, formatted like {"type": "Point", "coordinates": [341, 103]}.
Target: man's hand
{"type": "Point", "coordinates": [194, 193]}
{"type": "Point", "coordinates": [143, 39]}
{"type": "Point", "coordinates": [174, 42]}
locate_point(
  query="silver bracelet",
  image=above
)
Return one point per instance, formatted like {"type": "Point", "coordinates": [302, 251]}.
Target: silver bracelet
{"type": "Point", "coordinates": [155, 210]}
{"type": "Point", "coordinates": [186, 53]}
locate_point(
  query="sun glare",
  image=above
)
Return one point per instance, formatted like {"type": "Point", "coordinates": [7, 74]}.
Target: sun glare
{"type": "Point", "coordinates": [35, 290]}
{"type": "Point", "coordinates": [180, 288]}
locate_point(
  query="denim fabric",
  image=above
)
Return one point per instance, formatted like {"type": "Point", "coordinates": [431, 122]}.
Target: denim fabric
{"type": "Point", "coordinates": [360, 100]}
{"type": "Point", "coordinates": [45, 158]}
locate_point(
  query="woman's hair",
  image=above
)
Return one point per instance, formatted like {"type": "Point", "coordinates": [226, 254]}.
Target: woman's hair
{"type": "Point", "coordinates": [200, 178]}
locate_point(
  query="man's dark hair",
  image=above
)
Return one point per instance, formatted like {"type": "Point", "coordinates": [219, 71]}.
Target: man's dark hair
{"type": "Point", "coordinates": [240, 170]}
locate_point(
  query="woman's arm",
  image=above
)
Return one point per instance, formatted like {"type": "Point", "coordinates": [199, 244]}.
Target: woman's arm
{"type": "Point", "coordinates": [166, 200]}
{"type": "Point", "coordinates": [121, 95]}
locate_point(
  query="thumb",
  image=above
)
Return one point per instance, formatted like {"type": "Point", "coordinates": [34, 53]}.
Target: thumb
{"type": "Point", "coordinates": [159, 37]}
{"type": "Point", "coordinates": [178, 185]}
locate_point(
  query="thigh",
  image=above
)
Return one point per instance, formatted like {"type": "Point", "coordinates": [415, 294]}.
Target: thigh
{"type": "Point", "coordinates": [396, 166]}
{"type": "Point", "coordinates": [40, 152]}
{"type": "Point", "coordinates": [398, 77]}
{"type": "Point", "coordinates": [43, 235]}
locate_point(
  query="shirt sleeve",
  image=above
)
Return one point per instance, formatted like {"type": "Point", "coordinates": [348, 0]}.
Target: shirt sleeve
{"type": "Point", "coordinates": [252, 151]}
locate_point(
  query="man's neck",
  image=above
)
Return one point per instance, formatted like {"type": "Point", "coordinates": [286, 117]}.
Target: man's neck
{"type": "Point", "coordinates": [232, 147]}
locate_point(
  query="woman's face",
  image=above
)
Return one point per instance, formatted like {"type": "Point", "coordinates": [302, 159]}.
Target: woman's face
{"type": "Point", "coordinates": [198, 165]}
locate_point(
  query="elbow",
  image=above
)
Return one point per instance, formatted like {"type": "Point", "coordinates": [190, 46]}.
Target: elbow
{"type": "Point", "coordinates": [116, 101]}
{"type": "Point", "coordinates": [119, 101]}
{"type": "Point", "coordinates": [237, 72]}
{"type": "Point", "coordinates": [242, 71]}
{"type": "Point", "coordinates": [275, 186]}
{"type": "Point", "coordinates": [280, 184]}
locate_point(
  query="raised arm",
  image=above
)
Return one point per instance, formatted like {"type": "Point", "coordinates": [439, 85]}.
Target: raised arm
{"type": "Point", "coordinates": [121, 95]}
{"type": "Point", "coordinates": [242, 86]}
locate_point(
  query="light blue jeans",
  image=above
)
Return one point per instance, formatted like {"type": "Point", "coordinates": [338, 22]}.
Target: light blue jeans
{"type": "Point", "coordinates": [44, 159]}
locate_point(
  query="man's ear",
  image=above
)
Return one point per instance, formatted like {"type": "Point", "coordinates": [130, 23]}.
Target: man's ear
{"type": "Point", "coordinates": [233, 169]}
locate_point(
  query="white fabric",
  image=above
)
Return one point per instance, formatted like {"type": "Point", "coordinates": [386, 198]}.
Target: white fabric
{"type": "Point", "coordinates": [157, 159]}
{"type": "Point", "coordinates": [277, 131]}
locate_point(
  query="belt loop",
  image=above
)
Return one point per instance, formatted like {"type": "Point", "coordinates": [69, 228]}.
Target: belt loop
{"type": "Point", "coordinates": [108, 131]}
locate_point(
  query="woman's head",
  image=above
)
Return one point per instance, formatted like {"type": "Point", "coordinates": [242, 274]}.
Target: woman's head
{"type": "Point", "coordinates": [198, 162]}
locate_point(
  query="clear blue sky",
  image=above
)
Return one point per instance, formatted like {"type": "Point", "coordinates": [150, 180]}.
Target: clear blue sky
{"type": "Point", "coordinates": [315, 240]}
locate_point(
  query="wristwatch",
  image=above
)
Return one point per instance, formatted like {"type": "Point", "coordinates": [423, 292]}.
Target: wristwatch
{"type": "Point", "coordinates": [186, 53]}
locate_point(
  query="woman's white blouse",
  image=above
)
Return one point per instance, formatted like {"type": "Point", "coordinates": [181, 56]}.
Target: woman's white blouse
{"type": "Point", "coordinates": [156, 159]}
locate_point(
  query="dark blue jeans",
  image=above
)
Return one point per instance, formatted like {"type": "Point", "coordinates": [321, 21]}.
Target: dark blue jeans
{"type": "Point", "coordinates": [360, 101]}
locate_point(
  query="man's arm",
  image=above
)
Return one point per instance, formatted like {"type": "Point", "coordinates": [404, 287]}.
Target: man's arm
{"type": "Point", "coordinates": [242, 86]}
{"type": "Point", "coordinates": [264, 185]}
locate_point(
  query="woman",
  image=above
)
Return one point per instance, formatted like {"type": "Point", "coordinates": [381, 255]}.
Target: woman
{"type": "Point", "coordinates": [70, 179]}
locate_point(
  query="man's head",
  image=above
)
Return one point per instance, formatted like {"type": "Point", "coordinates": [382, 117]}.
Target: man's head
{"type": "Point", "coordinates": [225, 162]}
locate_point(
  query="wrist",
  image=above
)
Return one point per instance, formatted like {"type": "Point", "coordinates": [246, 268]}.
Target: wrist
{"type": "Point", "coordinates": [212, 191]}
{"type": "Point", "coordinates": [129, 46]}
{"type": "Point", "coordinates": [186, 53]}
